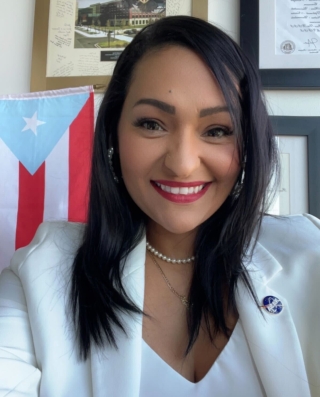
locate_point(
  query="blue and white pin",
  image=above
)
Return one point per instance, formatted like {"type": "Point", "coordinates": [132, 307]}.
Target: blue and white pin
{"type": "Point", "coordinates": [272, 304]}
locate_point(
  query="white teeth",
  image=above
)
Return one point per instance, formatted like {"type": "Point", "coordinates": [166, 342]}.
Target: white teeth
{"type": "Point", "coordinates": [182, 190]}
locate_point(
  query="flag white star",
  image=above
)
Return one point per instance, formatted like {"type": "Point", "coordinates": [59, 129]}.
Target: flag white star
{"type": "Point", "coordinates": [32, 123]}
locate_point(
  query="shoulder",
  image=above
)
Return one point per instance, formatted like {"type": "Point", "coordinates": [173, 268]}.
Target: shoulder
{"type": "Point", "coordinates": [54, 244]}
{"type": "Point", "coordinates": [288, 252]}
{"type": "Point", "coordinates": [34, 294]}
{"type": "Point", "coordinates": [291, 233]}
{"type": "Point", "coordinates": [292, 224]}
{"type": "Point", "coordinates": [294, 242]}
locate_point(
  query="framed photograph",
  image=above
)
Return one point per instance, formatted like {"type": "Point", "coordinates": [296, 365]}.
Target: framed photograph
{"type": "Point", "coordinates": [300, 162]}
{"type": "Point", "coordinates": [283, 38]}
{"type": "Point", "coordinates": [77, 42]}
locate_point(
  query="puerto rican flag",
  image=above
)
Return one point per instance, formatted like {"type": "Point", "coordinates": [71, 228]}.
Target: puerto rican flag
{"type": "Point", "coordinates": [45, 152]}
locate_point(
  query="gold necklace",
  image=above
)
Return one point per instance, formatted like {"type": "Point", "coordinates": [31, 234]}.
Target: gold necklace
{"type": "Point", "coordinates": [183, 298]}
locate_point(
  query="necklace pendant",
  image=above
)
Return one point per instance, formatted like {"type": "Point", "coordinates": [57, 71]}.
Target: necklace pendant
{"type": "Point", "coordinates": [185, 301]}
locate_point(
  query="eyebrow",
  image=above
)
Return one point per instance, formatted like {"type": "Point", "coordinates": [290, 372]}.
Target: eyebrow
{"type": "Point", "coordinates": [158, 104]}
{"type": "Point", "coordinates": [172, 110]}
{"type": "Point", "coordinates": [214, 110]}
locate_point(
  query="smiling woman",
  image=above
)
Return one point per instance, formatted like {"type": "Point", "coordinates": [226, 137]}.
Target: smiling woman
{"type": "Point", "coordinates": [174, 286]}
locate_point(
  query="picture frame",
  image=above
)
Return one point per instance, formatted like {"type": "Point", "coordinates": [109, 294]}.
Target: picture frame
{"type": "Point", "coordinates": [310, 128]}
{"type": "Point", "coordinates": [274, 77]}
{"type": "Point", "coordinates": [39, 80]}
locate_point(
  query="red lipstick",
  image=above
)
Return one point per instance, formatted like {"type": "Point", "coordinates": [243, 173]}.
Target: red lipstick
{"type": "Point", "coordinates": [181, 198]}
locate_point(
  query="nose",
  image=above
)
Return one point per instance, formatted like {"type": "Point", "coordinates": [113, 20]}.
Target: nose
{"type": "Point", "coordinates": [182, 157]}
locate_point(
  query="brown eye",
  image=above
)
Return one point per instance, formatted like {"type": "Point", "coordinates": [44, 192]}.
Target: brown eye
{"type": "Point", "coordinates": [218, 132]}
{"type": "Point", "coordinates": [150, 125]}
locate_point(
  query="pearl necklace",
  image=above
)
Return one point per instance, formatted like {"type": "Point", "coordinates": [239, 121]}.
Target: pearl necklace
{"type": "Point", "coordinates": [166, 258]}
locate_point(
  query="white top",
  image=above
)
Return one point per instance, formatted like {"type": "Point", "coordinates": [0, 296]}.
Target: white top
{"type": "Point", "coordinates": [37, 350]}
{"type": "Point", "coordinates": [232, 374]}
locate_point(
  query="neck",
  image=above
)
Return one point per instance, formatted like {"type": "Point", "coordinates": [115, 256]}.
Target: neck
{"type": "Point", "coordinates": [171, 244]}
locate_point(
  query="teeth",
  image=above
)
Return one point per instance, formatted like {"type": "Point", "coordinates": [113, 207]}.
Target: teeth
{"type": "Point", "coordinates": [180, 190]}
{"type": "Point", "coordinates": [184, 190]}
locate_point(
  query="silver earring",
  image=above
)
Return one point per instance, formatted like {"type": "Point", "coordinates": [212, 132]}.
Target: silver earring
{"type": "Point", "coordinates": [237, 189]}
{"type": "Point", "coordinates": [110, 154]}
{"type": "Point", "coordinates": [239, 185]}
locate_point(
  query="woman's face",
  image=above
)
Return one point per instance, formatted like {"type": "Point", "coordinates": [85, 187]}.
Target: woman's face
{"type": "Point", "coordinates": [178, 153]}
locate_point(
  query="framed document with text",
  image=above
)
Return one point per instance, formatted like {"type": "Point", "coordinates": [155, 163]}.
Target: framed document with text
{"type": "Point", "coordinates": [77, 42]}
{"type": "Point", "coordinates": [293, 185]}
{"type": "Point", "coordinates": [283, 38]}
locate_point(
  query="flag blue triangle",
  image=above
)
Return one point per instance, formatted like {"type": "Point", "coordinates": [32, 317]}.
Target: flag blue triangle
{"type": "Point", "coordinates": [32, 127]}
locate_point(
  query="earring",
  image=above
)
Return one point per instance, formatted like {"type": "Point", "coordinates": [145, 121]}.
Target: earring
{"type": "Point", "coordinates": [239, 185]}
{"type": "Point", "coordinates": [110, 154]}
{"type": "Point", "coordinates": [237, 189]}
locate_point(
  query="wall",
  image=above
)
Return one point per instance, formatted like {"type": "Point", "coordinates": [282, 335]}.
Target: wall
{"type": "Point", "coordinates": [16, 22]}
{"type": "Point", "coordinates": [16, 26]}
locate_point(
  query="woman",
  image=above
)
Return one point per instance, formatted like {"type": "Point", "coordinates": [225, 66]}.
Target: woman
{"type": "Point", "coordinates": [173, 287]}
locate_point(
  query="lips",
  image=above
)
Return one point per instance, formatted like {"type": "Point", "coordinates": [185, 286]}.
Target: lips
{"type": "Point", "coordinates": [180, 192]}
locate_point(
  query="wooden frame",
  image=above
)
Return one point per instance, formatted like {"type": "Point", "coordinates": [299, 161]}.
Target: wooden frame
{"type": "Point", "coordinates": [309, 127]}
{"type": "Point", "coordinates": [271, 78]}
{"type": "Point", "coordinates": [39, 81]}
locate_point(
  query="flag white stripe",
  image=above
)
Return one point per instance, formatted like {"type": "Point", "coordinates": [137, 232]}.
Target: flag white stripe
{"type": "Point", "coordinates": [57, 181]}
{"type": "Point", "coordinates": [9, 190]}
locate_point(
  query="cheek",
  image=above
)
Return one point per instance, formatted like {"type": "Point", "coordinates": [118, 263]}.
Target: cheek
{"type": "Point", "coordinates": [225, 164]}
{"type": "Point", "coordinates": [133, 157]}
{"type": "Point", "coordinates": [127, 148]}
{"type": "Point", "coordinates": [126, 155]}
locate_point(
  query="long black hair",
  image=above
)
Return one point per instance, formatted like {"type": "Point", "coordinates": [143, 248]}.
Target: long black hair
{"type": "Point", "coordinates": [116, 224]}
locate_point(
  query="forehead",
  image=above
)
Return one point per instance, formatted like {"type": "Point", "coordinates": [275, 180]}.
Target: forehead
{"type": "Point", "coordinates": [178, 73]}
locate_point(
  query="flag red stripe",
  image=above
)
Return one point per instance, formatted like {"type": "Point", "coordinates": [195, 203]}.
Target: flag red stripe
{"type": "Point", "coordinates": [80, 143]}
{"type": "Point", "coordinates": [30, 204]}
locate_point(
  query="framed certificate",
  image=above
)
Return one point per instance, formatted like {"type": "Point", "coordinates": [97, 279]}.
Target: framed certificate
{"type": "Point", "coordinates": [293, 185]}
{"type": "Point", "coordinates": [283, 38]}
{"type": "Point", "coordinates": [77, 42]}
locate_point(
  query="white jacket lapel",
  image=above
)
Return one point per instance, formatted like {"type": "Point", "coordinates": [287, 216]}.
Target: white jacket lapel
{"type": "Point", "coordinates": [116, 373]}
{"type": "Point", "coordinates": [272, 338]}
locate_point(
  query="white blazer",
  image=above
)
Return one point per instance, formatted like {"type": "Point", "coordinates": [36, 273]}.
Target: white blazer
{"type": "Point", "coordinates": [37, 347]}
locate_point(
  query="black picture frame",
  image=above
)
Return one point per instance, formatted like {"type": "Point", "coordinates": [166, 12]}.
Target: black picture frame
{"type": "Point", "coordinates": [271, 78]}
{"type": "Point", "coordinates": [309, 127]}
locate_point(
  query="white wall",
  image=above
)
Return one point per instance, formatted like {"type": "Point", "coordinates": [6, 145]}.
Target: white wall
{"type": "Point", "coordinates": [16, 25]}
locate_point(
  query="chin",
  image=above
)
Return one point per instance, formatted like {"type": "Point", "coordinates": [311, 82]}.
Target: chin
{"type": "Point", "coordinates": [177, 226]}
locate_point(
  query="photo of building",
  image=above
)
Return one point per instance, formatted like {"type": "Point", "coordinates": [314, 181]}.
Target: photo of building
{"type": "Point", "coordinates": [112, 24]}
